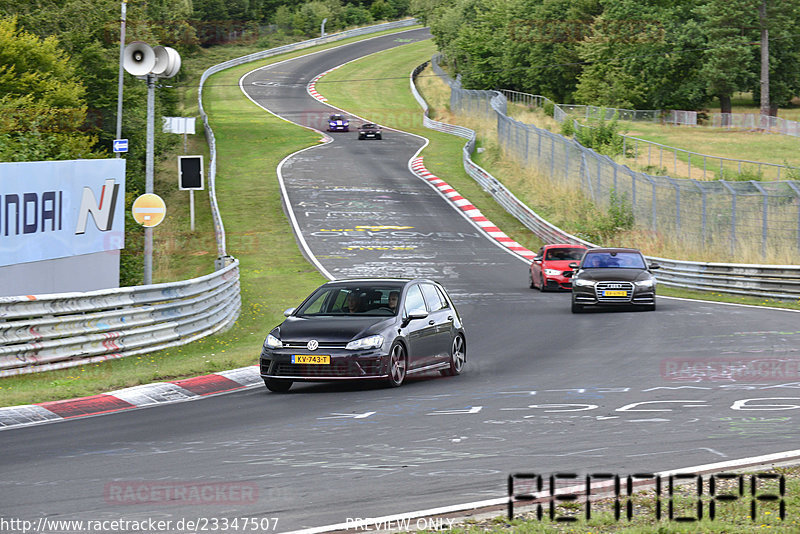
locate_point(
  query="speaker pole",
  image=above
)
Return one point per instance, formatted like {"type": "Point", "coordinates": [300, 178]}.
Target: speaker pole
{"type": "Point", "coordinates": [148, 185]}
{"type": "Point", "coordinates": [121, 61]}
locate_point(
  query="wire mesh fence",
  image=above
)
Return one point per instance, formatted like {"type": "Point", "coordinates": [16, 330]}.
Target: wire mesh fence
{"type": "Point", "coordinates": [658, 158]}
{"type": "Point", "coordinates": [688, 164]}
{"type": "Point", "coordinates": [729, 216]}
{"type": "Point", "coordinates": [752, 121]}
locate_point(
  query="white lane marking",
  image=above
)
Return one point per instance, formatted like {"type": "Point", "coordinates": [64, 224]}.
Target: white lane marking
{"type": "Point", "coordinates": [473, 409]}
{"type": "Point", "coordinates": [335, 415]}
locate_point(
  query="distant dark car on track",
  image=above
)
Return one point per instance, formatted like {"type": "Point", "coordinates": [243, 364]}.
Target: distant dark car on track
{"type": "Point", "coordinates": [338, 123]}
{"type": "Point", "coordinates": [366, 329]}
{"type": "Point", "coordinates": [550, 263]}
{"type": "Point", "coordinates": [613, 277]}
{"type": "Point", "coordinates": [369, 130]}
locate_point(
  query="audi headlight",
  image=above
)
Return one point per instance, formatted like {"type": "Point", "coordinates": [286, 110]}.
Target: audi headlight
{"type": "Point", "coordinates": [273, 342]}
{"type": "Point", "coordinates": [650, 282]}
{"type": "Point", "coordinates": [371, 342]}
{"type": "Point", "coordinates": [552, 272]}
{"type": "Point", "coordinates": [584, 283]}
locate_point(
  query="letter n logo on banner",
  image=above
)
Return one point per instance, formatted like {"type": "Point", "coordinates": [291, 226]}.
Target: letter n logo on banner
{"type": "Point", "coordinates": [102, 213]}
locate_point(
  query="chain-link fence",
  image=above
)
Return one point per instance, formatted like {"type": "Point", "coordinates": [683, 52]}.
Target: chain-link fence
{"type": "Point", "coordinates": [688, 164]}
{"type": "Point", "coordinates": [727, 216]}
{"type": "Point", "coordinates": [752, 121]}
{"type": "Point", "coordinates": [663, 159]}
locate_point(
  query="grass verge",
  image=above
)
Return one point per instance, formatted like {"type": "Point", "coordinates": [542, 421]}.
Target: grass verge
{"type": "Point", "coordinates": [274, 273]}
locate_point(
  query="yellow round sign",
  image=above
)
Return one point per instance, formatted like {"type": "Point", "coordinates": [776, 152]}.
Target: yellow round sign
{"type": "Point", "coordinates": [149, 210]}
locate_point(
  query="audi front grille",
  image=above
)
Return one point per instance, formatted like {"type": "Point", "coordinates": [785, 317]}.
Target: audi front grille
{"type": "Point", "coordinates": [602, 287]}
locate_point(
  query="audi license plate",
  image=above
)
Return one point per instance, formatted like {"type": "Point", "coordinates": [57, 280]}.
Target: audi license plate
{"type": "Point", "coordinates": [317, 359]}
{"type": "Point", "coordinates": [615, 293]}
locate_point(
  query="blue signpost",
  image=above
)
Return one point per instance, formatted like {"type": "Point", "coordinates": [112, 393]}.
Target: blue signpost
{"type": "Point", "coordinates": [120, 145]}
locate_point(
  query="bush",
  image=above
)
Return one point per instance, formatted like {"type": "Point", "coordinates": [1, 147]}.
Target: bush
{"type": "Point", "coordinates": [744, 175]}
{"type": "Point", "coordinates": [549, 109]}
{"type": "Point", "coordinates": [602, 136]}
{"type": "Point", "coordinates": [381, 10]}
{"type": "Point", "coordinates": [603, 226]}
{"type": "Point", "coordinates": [356, 16]}
{"type": "Point", "coordinates": [620, 211]}
{"type": "Point", "coordinates": [654, 170]}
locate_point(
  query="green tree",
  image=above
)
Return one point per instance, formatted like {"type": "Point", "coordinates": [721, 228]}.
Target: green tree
{"type": "Point", "coordinates": [42, 110]}
{"type": "Point", "coordinates": [543, 45]}
{"type": "Point", "coordinates": [381, 10]}
{"type": "Point", "coordinates": [356, 16]}
{"type": "Point", "coordinates": [472, 35]}
{"type": "Point", "coordinates": [283, 18]}
{"type": "Point", "coordinates": [784, 52]}
{"type": "Point", "coordinates": [645, 55]}
{"type": "Point", "coordinates": [425, 10]}
{"type": "Point", "coordinates": [728, 62]}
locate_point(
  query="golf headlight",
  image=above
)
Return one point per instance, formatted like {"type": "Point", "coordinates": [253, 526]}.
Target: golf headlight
{"type": "Point", "coordinates": [583, 283]}
{"type": "Point", "coordinates": [552, 272]}
{"type": "Point", "coordinates": [371, 342]}
{"type": "Point", "coordinates": [273, 342]}
{"type": "Point", "coordinates": [650, 282]}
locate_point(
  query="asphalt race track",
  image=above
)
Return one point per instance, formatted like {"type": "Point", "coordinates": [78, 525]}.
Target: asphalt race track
{"type": "Point", "coordinates": [544, 391]}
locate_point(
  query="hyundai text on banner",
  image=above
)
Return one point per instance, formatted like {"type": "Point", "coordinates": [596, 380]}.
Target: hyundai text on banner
{"type": "Point", "coordinates": [57, 209]}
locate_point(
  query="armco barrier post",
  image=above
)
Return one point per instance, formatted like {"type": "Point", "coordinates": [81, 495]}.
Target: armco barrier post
{"type": "Point", "coordinates": [222, 262]}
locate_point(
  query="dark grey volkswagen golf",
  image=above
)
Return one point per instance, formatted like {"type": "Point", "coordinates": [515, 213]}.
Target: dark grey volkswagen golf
{"type": "Point", "coordinates": [366, 329]}
{"type": "Point", "coordinates": [613, 277]}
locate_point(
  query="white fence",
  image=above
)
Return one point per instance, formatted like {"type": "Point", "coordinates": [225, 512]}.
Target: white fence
{"type": "Point", "coordinates": [767, 281]}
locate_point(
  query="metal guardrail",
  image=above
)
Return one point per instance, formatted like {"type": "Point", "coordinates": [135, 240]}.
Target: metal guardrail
{"type": "Point", "coordinates": [766, 281]}
{"type": "Point", "coordinates": [780, 282]}
{"type": "Point", "coordinates": [56, 331]}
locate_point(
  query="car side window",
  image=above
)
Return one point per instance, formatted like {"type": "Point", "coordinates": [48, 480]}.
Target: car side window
{"type": "Point", "coordinates": [414, 300]}
{"type": "Point", "coordinates": [445, 301]}
{"type": "Point", "coordinates": [432, 298]}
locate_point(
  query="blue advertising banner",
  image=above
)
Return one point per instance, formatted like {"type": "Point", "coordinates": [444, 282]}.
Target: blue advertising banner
{"type": "Point", "coordinates": [57, 209]}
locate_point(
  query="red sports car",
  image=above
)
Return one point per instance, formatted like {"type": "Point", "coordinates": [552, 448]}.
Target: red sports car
{"type": "Point", "coordinates": [551, 261]}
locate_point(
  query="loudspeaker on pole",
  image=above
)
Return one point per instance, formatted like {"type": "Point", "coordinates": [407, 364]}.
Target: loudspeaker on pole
{"type": "Point", "coordinates": [168, 62]}
{"type": "Point", "coordinates": [139, 59]}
